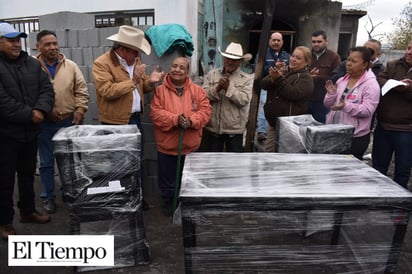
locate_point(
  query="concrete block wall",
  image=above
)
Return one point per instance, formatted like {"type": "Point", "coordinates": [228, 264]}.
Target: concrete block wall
{"type": "Point", "coordinates": [82, 43]}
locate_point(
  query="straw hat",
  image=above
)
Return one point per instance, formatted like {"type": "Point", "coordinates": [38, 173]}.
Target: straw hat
{"type": "Point", "coordinates": [235, 51]}
{"type": "Point", "coordinates": [131, 37]}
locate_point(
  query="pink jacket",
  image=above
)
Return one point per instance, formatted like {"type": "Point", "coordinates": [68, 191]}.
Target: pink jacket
{"type": "Point", "coordinates": [165, 108]}
{"type": "Point", "coordinates": [360, 104]}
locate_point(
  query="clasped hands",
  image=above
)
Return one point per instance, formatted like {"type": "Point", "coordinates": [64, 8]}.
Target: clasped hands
{"type": "Point", "coordinates": [223, 83]}
{"type": "Point", "coordinates": [184, 122]}
{"type": "Point", "coordinates": [332, 89]}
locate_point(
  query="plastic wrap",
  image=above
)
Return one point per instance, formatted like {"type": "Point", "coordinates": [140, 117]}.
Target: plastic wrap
{"type": "Point", "coordinates": [99, 168]}
{"type": "Point", "coordinates": [303, 134]}
{"type": "Point", "coordinates": [251, 213]}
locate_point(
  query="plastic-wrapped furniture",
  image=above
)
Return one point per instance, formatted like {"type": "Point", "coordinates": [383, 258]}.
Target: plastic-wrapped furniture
{"type": "Point", "coordinates": [303, 134]}
{"type": "Point", "coordinates": [99, 168]}
{"type": "Point", "coordinates": [247, 213]}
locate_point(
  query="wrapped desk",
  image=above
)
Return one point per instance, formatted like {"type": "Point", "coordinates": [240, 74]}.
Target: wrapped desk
{"type": "Point", "coordinates": [99, 168]}
{"type": "Point", "coordinates": [303, 134]}
{"type": "Point", "coordinates": [248, 212]}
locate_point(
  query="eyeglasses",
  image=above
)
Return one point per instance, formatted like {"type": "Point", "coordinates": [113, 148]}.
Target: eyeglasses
{"type": "Point", "coordinates": [317, 41]}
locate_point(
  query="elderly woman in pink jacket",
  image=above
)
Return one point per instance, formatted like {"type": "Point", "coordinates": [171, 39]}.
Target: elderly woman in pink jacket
{"type": "Point", "coordinates": [354, 98]}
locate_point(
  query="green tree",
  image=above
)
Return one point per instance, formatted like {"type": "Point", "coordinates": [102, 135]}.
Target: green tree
{"type": "Point", "coordinates": [402, 34]}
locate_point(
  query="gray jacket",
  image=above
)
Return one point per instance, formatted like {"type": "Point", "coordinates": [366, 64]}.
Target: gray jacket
{"type": "Point", "coordinates": [230, 108]}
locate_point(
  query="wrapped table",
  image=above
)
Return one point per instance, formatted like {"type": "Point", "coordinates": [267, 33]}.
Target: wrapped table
{"type": "Point", "coordinates": [250, 213]}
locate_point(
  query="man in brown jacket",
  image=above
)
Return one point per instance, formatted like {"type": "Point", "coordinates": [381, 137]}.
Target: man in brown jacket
{"type": "Point", "coordinates": [120, 79]}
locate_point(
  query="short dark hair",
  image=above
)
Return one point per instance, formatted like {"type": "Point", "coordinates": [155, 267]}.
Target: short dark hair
{"type": "Point", "coordinates": [44, 33]}
{"type": "Point", "coordinates": [320, 32]}
{"type": "Point", "coordinates": [377, 42]}
{"type": "Point", "coordinates": [365, 52]}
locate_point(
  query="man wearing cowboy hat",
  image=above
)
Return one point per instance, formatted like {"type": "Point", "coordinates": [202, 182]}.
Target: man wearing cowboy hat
{"type": "Point", "coordinates": [229, 90]}
{"type": "Point", "coordinates": [120, 79]}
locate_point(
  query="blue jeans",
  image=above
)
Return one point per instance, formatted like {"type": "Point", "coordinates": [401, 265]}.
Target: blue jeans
{"type": "Point", "coordinates": [385, 143]}
{"type": "Point", "coordinates": [318, 111]}
{"type": "Point", "coordinates": [48, 129]}
{"type": "Point", "coordinates": [262, 124]}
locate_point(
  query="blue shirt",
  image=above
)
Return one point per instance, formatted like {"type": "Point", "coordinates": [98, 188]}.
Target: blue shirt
{"type": "Point", "coordinates": [52, 68]}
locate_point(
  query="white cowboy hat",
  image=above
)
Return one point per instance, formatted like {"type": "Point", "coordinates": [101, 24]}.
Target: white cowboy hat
{"type": "Point", "coordinates": [235, 51]}
{"type": "Point", "coordinates": [131, 37]}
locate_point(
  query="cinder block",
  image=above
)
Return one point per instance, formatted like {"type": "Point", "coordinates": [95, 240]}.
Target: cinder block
{"type": "Point", "coordinates": [67, 20]}
{"type": "Point", "coordinates": [93, 37]}
{"type": "Point", "coordinates": [83, 40]}
{"type": "Point", "coordinates": [77, 56]}
{"type": "Point", "coordinates": [149, 149]}
{"type": "Point", "coordinates": [91, 74]}
{"type": "Point", "coordinates": [85, 73]}
{"type": "Point", "coordinates": [67, 52]}
{"type": "Point", "coordinates": [87, 56]}
{"type": "Point", "coordinates": [97, 52]}
{"type": "Point", "coordinates": [92, 115]}
{"type": "Point", "coordinates": [150, 167]}
{"type": "Point", "coordinates": [73, 38]}
{"type": "Point", "coordinates": [62, 38]}
{"type": "Point", "coordinates": [106, 32]}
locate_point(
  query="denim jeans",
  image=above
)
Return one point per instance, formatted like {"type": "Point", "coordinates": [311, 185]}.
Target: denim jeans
{"type": "Point", "coordinates": [262, 124]}
{"type": "Point", "coordinates": [48, 129]}
{"type": "Point", "coordinates": [385, 143]}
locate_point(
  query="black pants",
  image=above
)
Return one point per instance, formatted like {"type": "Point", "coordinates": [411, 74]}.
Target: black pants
{"type": "Point", "coordinates": [232, 142]}
{"type": "Point", "coordinates": [360, 145]}
{"type": "Point", "coordinates": [167, 165]}
{"type": "Point", "coordinates": [16, 157]}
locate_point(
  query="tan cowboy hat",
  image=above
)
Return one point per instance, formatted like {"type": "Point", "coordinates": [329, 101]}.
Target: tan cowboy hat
{"type": "Point", "coordinates": [235, 51]}
{"type": "Point", "coordinates": [131, 37]}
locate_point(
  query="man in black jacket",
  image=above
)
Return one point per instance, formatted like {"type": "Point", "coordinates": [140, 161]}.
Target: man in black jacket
{"type": "Point", "coordinates": [26, 97]}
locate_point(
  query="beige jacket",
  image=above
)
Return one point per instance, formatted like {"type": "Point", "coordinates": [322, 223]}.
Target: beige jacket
{"type": "Point", "coordinates": [69, 85]}
{"type": "Point", "coordinates": [230, 108]}
{"type": "Point", "coordinates": [114, 89]}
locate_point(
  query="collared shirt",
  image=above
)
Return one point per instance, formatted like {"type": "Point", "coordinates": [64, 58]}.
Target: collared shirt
{"type": "Point", "coordinates": [52, 68]}
{"type": "Point", "coordinates": [136, 107]}
{"type": "Point", "coordinates": [318, 55]}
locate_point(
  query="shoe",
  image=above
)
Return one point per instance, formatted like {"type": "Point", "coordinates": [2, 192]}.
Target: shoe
{"type": "Point", "coordinates": [261, 136]}
{"type": "Point", "coordinates": [145, 205]}
{"type": "Point", "coordinates": [7, 230]}
{"type": "Point", "coordinates": [35, 217]}
{"type": "Point", "coordinates": [49, 206]}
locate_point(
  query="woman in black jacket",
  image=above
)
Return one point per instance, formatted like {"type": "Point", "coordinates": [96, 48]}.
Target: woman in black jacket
{"type": "Point", "coordinates": [289, 90]}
